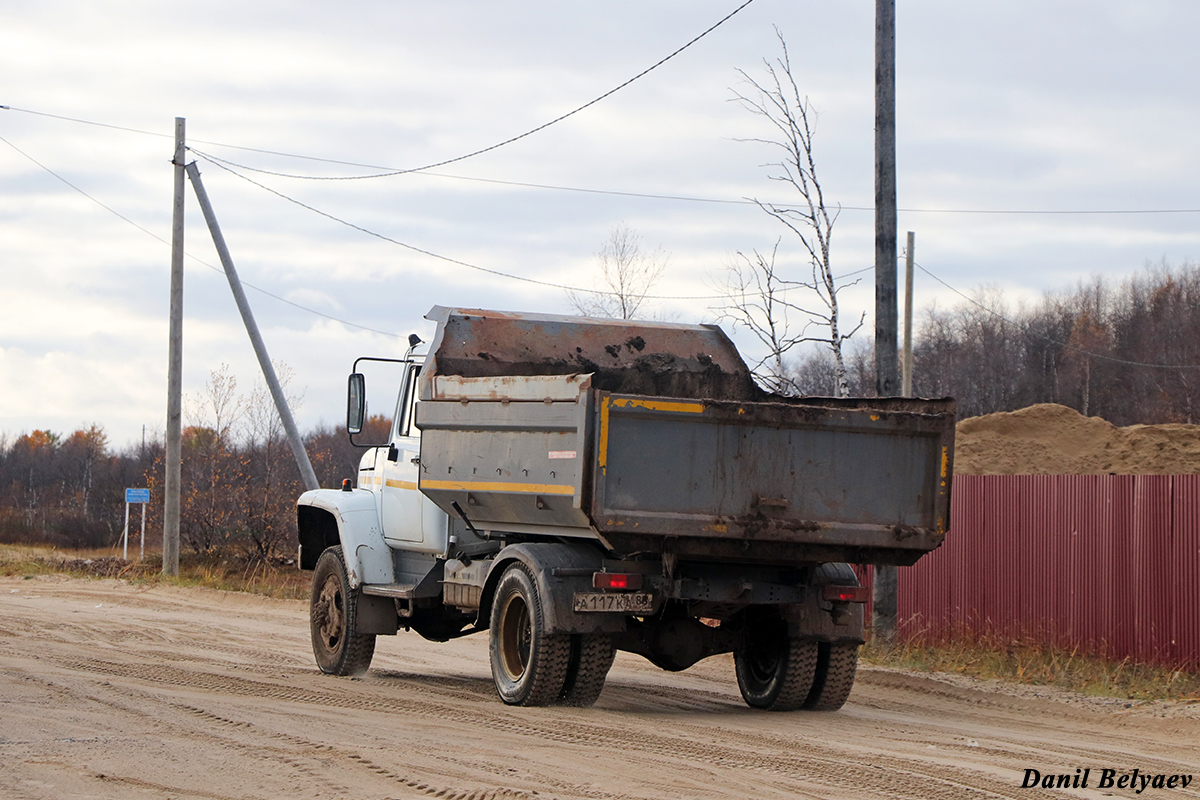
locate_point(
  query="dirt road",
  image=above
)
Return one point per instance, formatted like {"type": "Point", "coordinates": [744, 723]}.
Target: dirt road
{"type": "Point", "coordinates": [110, 691]}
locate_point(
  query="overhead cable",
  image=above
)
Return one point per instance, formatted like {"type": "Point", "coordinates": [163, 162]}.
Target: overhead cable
{"type": "Point", "coordinates": [154, 235]}
{"type": "Point", "coordinates": [448, 259]}
{"type": "Point", "coordinates": [416, 249]}
{"type": "Point", "coordinates": [613, 192]}
{"type": "Point", "coordinates": [527, 133]}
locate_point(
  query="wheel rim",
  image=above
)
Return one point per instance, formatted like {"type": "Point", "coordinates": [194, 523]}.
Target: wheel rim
{"type": "Point", "coordinates": [331, 613]}
{"type": "Point", "coordinates": [516, 637]}
{"type": "Point", "coordinates": [762, 663]}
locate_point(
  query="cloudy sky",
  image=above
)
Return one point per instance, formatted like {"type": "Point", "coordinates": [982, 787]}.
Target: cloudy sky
{"type": "Point", "coordinates": [1014, 106]}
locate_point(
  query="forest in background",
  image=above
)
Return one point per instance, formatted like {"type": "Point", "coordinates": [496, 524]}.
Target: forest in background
{"type": "Point", "coordinates": [1127, 352]}
{"type": "Point", "coordinates": [239, 479]}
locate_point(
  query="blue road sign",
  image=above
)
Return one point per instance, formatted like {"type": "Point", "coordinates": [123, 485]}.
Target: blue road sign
{"type": "Point", "coordinates": [137, 495]}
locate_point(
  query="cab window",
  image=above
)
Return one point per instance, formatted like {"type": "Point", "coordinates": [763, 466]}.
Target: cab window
{"type": "Point", "coordinates": [408, 400]}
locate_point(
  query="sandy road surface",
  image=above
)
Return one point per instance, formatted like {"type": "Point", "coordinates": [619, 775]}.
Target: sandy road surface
{"type": "Point", "coordinates": [110, 691]}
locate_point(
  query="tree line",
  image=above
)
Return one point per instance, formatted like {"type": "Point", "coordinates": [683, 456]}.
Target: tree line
{"type": "Point", "coordinates": [1126, 351]}
{"type": "Point", "coordinates": [239, 479]}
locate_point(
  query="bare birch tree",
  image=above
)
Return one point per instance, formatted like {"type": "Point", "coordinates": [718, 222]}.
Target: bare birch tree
{"type": "Point", "coordinates": [754, 295]}
{"type": "Point", "coordinates": [627, 275]}
{"type": "Point", "coordinates": [777, 100]}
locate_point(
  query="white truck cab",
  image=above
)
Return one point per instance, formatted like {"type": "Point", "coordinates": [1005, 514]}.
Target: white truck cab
{"type": "Point", "coordinates": [409, 519]}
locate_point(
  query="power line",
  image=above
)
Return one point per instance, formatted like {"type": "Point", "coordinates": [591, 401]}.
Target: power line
{"type": "Point", "coordinates": [550, 284]}
{"type": "Point", "coordinates": [528, 133]}
{"type": "Point", "coordinates": [154, 235]}
{"type": "Point", "coordinates": [520, 184]}
{"type": "Point", "coordinates": [85, 122]}
{"type": "Point", "coordinates": [748, 202]}
{"type": "Point", "coordinates": [390, 172]}
{"type": "Point", "coordinates": [82, 192]}
{"type": "Point", "coordinates": [1063, 345]}
{"type": "Point", "coordinates": [430, 253]}
{"type": "Point", "coordinates": [584, 190]}
{"type": "Point", "coordinates": [274, 296]}
{"type": "Point", "coordinates": [1039, 212]}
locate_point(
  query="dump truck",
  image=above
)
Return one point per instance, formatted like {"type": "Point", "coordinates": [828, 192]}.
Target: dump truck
{"type": "Point", "coordinates": [577, 486]}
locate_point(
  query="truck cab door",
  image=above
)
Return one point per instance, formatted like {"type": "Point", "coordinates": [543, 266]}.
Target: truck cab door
{"type": "Point", "coordinates": [401, 505]}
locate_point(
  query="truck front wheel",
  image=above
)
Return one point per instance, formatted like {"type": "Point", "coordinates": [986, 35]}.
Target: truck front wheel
{"type": "Point", "coordinates": [529, 666]}
{"type": "Point", "coordinates": [774, 670]}
{"type": "Point", "coordinates": [338, 646]}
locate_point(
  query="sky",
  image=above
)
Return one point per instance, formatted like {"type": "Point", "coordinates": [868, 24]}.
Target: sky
{"type": "Point", "coordinates": [1003, 109]}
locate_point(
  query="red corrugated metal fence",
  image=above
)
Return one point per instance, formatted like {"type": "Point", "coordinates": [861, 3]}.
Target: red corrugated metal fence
{"type": "Point", "coordinates": [1109, 564]}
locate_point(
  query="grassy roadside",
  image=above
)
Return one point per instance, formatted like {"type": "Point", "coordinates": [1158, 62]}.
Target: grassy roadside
{"type": "Point", "coordinates": [282, 581]}
{"type": "Point", "coordinates": [1006, 660]}
{"type": "Point", "coordinates": [1035, 664]}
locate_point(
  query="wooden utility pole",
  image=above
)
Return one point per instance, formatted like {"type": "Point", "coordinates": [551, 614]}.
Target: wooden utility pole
{"type": "Point", "coordinates": [906, 388]}
{"type": "Point", "coordinates": [171, 504]}
{"type": "Point", "coordinates": [884, 596]}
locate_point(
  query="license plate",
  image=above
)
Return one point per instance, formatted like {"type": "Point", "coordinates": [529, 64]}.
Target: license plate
{"type": "Point", "coordinates": [612, 601]}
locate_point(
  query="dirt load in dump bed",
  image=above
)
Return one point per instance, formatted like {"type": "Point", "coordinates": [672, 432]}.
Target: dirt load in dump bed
{"type": "Point", "coordinates": [623, 356]}
{"type": "Point", "coordinates": [638, 357]}
{"type": "Point", "coordinates": [1050, 439]}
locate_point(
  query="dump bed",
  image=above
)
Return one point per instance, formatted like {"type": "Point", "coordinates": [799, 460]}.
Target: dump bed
{"type": "Point", "coordinates": [548, 442]}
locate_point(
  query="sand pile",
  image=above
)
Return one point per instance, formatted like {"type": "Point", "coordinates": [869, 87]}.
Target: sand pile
{"type": "Point", "coordinates": [1050, 439]}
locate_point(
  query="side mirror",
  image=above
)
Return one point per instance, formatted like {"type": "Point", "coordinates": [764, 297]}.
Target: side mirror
{"type": "Point", "coordinates": [356, 403]}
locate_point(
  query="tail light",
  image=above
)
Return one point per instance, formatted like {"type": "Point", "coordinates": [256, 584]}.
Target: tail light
{"type": "Point", "coordinates": [620, 581]}
{"type": "Point", "coordinates": [845, 594]}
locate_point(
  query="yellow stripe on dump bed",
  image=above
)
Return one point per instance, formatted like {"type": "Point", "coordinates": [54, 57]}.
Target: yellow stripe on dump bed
{"type": "Point", "coordinates": [658, 405]}
{"type": "Point", "coordinates": [678, 406]}
{"type": "Point", "coordinates": [496, 486]}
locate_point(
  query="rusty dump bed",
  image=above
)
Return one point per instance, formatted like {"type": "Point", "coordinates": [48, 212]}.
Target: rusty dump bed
{"type": "Point", "coordinates": [529, 425]}
{"type": "Point", "coordinates": [654, 358]}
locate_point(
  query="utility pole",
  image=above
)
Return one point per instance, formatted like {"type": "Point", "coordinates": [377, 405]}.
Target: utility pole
{"type": "Point", "coordinates": [884, 598]}
{"type": "Point", "coordinates": [171, 505]}
{"type": "Point", "coordinates": [906, 390]}
{"type": "Point", "coordinates": [260, 349]}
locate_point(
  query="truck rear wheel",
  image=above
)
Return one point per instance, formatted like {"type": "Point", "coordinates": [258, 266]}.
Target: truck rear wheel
{"type": "Point", "coordinates": [774, 670]}
{"type": "Point", "coordinates": [529, 666]}
{"type": "Point", "coordinates": [333, 617]}
{"type": "Point", "coordinates": [836, 665]}
{"type": "Point", "coordinates": [587, 668]}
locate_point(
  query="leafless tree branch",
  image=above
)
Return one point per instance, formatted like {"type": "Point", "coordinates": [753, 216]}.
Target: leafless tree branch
{"type": "Point", "coordinates": [777, 99]}
{"type": "Point", "coordinates": [627, 274]}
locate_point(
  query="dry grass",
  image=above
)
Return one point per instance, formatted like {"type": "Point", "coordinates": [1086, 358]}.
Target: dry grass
{"type": "Point", "coordinates": [1029, 662]}
{"type": "Point", "coordinates": [280, 581]}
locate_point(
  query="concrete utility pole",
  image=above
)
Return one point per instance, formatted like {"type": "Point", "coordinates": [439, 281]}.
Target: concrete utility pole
{"type": "Point", "coordinates": [260, 349]}
{"type": "Point", "coordinates": [906, 389]}
{"type": "Point", "coordinates": [884, 596]}
{"type": "Point", "coordinates": [171, 505]}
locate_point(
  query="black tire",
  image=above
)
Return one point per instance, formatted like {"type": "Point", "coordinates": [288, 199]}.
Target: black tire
{"type": "Point", "coordinates": [836, 665]}
{"type": "Point", "coordinates": [338, 646]}
{"type": "Point", "coordinates": [587, 668]}
{"type": "Point", "coordinates": [529, 666]}
{"type": "Point", "coordinates": [774, 670]}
